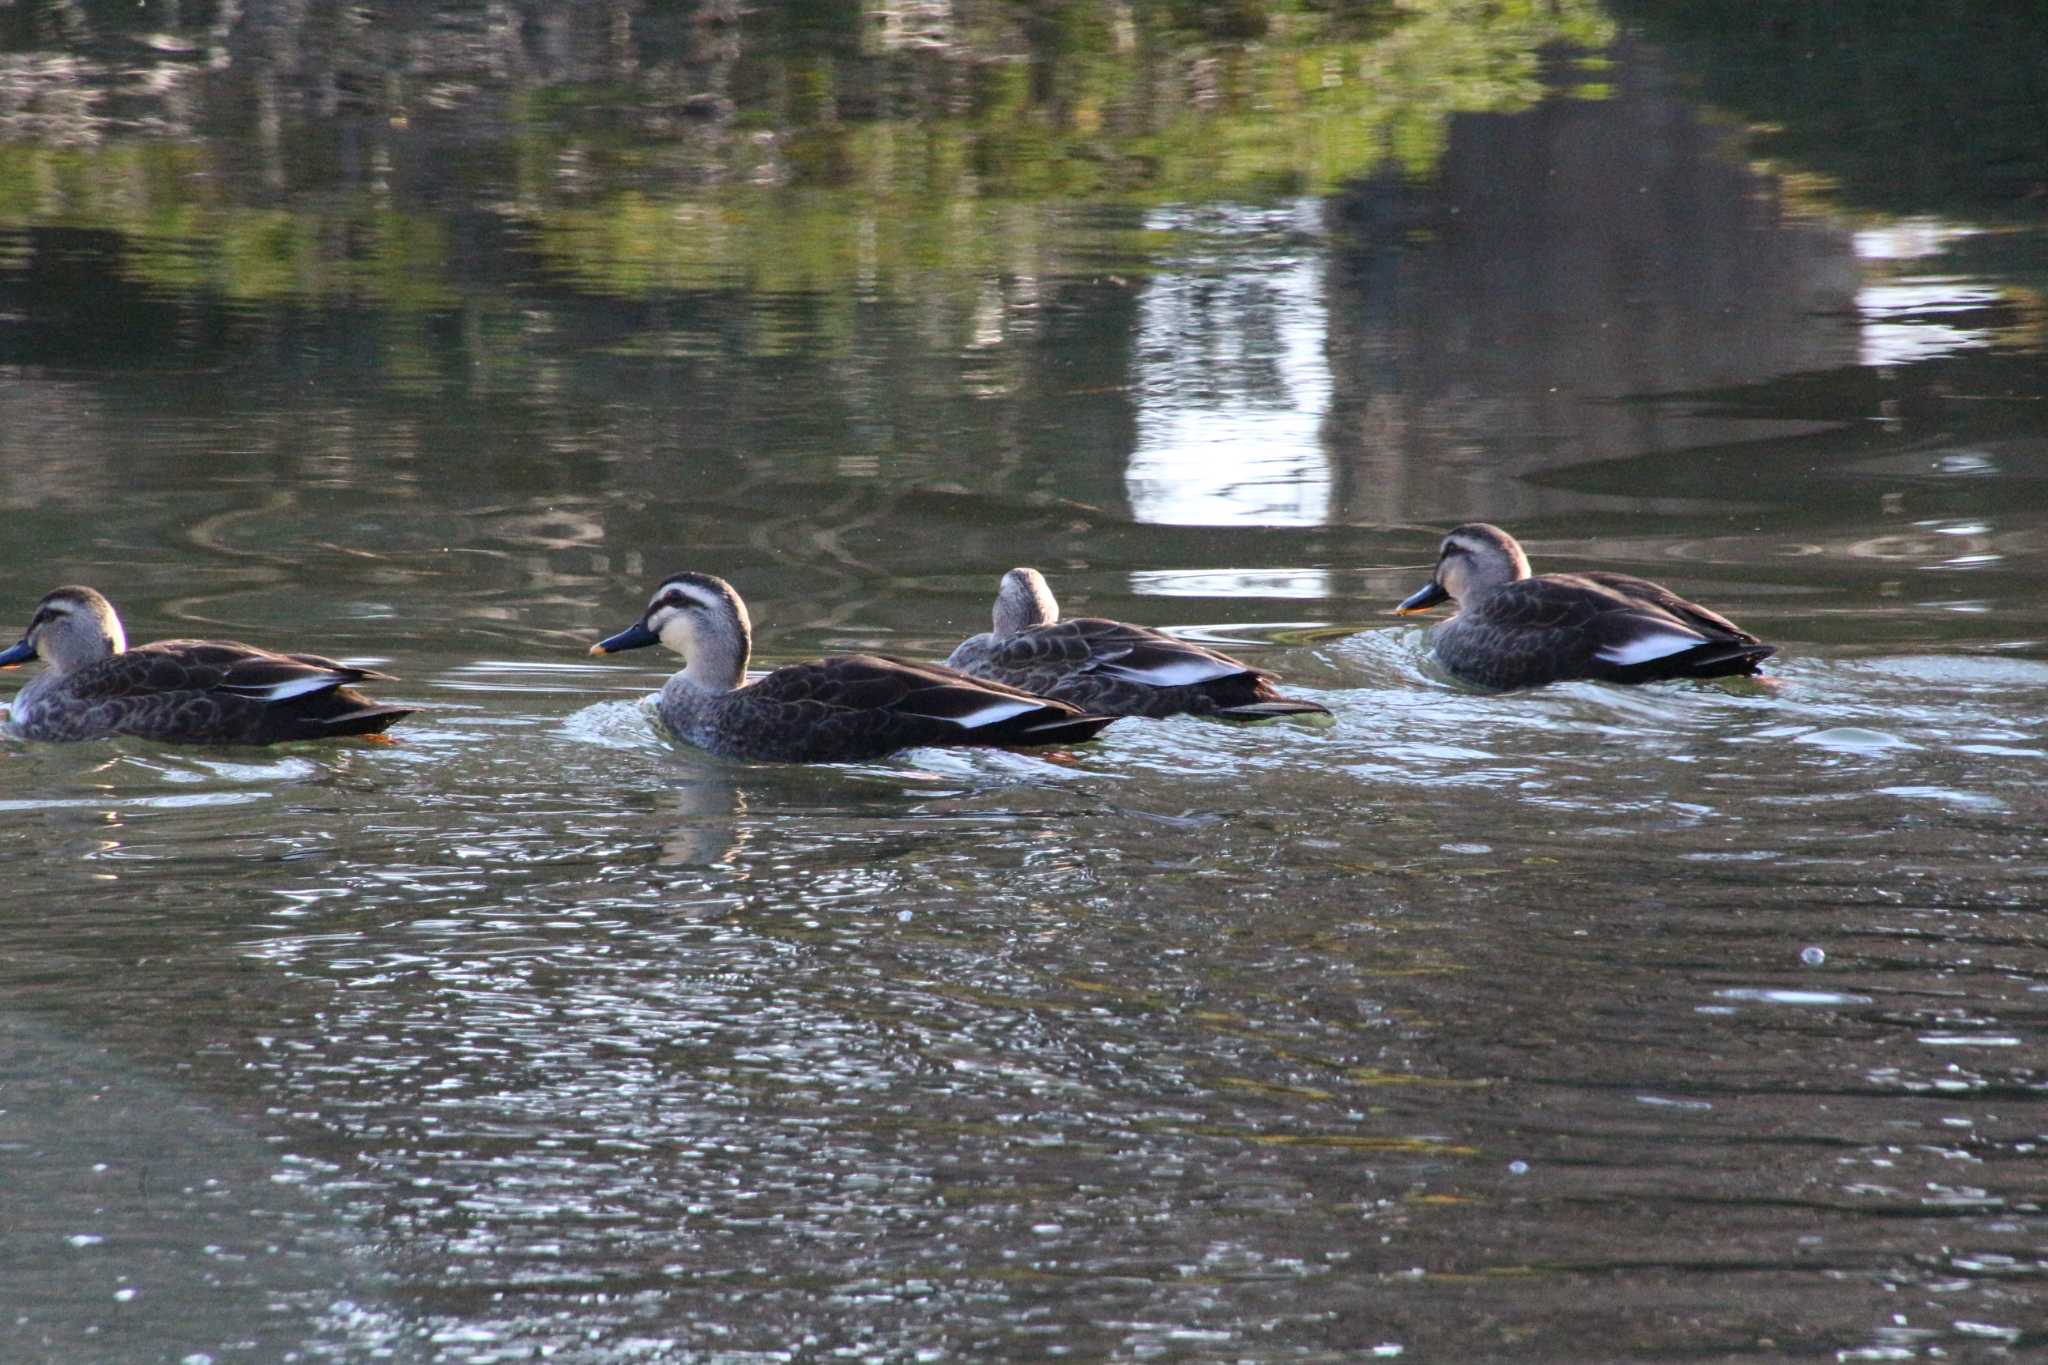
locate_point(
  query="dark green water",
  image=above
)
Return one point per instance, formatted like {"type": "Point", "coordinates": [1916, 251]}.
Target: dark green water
{"type": "Point", "coordinates": [1667, 1023]}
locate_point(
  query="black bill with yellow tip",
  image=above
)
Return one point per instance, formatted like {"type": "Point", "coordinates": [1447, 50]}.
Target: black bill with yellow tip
{"type": "Point", "coordinates": [635, 636]}
{"type": "Point", "coordinates": [1423, 598]}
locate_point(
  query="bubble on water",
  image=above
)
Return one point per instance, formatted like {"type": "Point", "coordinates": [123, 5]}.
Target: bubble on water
{"type": "Point", "coordinates": [1812, 957]}
{"type": "Point", "coordinates": [1518, 1168]}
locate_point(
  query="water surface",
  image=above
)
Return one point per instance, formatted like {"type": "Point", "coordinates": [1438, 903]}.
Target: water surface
{"type": "Point", "coordinates": [1698, 1021]}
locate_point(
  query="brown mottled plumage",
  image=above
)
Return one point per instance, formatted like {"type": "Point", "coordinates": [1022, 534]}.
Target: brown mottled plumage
{"type": "Point", "coordinates": [185, 691]}
{"type": "Point", "coordinates": [845, 709]}
{"type": "Point", "coordinates": [1515, 630]}
{"type": "Point", "coordinates": [1110, 667]}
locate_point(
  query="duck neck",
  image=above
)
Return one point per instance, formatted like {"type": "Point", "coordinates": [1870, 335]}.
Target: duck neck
{"type": "Point", "coordinates": [717, 663]}
{"type": "Point", "coordinates": [1024, 601]}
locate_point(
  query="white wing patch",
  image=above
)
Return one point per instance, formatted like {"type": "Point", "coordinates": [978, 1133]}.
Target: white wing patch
{"type": "Point", "coordinates": [1656, 644]}
{"type": "Point", "coordinates": [288, 688]}
{"type": "Point", "coordinates": [1176, 672]}
{"type": "Point", "coordinates": [995, 712]}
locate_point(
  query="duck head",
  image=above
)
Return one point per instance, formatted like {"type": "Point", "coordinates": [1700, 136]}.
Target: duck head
{"type": "Point", "coordinates": [699, 617]}
{"type": "Point", "coordinates": [1023, 601]}
{"type": "Point", "coordinates": [71, 626]}
{"type": "Point", "coordinates": [1472, 559]}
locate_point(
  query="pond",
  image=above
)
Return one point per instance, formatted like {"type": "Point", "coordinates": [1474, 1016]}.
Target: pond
{"type": "Point", "coordinates": [1690, 1020]}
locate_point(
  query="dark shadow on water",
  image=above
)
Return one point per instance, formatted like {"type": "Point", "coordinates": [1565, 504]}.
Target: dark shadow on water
{"type": "Point", "coordinates": [1919, 108]}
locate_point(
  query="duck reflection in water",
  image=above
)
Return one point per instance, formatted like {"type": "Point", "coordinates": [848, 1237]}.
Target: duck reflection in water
{"type": "Point", "coordinates": [705, 825]}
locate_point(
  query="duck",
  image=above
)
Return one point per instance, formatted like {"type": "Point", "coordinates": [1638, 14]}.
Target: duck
{"type": "Point", "coordinates": [1516, 630]}
{"type": "Point", "coordinates": [1111, 667]}
{"type": "Point", "coordinates": [93, 686]}
{"type": "Point", "coordinates": [848, 708]}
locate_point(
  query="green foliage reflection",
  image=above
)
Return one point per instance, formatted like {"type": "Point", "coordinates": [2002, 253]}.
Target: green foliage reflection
{"type": "Point", "coordinates": [1922, 107]}
{"type": "Point", "coordinates": [821, 147]}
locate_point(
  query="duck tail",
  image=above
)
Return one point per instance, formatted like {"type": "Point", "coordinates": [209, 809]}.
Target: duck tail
{"type": "Point", "coordinates": [1714, 659]}
{"type": "Point", "coordinates": [1743, 660]}
{"type": "Point", "coordinates": [370, 719]}
{"type": "Point", "coordinates": [1053, 727]}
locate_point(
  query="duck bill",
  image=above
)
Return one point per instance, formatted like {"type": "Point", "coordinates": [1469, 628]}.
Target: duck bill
{"type": "Point", "coordinates": [635, 636]}
{"type": "Point", "coordinates": [1422, 599]}
{"type": "Point", "coordinates": [20, 654]}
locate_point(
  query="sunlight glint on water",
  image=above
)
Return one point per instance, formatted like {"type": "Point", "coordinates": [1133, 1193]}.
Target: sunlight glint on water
{"type": "Point", "coordinates": [1230, 357]}
{"type": "Point", "coordinates": [1692, 1021]}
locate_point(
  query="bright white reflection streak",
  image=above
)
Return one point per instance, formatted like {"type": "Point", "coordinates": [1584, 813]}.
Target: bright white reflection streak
{"type": "Point", "coordinates": [1896, 311]}
{"type": "Point", "coordinates": [1235, 381]}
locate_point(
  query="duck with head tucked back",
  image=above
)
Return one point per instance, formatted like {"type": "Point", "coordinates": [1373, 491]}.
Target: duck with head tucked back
{"type": "Point", "coordinates": [1515, 630]}
{"type": "Point", "coordinates": [184, 691]}
{"type": "Point", "coordinates": [846, 709]}
{"type": "Point", "coordinates": [1111, 667]}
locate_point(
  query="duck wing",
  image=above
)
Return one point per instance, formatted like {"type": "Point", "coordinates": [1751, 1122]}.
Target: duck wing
{"type": "Point", "coordinates": [224, 691]}
{"type": "Point", "coordinates": [1137, 654]}
{"type": "Point", "coordinates": [211, 665]}
{"type": "Point", "coordinates": [1610, 627]}
{"type": "Point", "coordinates": [1114, 668]}
{"type": "Point", "coordinates": [262, 675]}
{"type": "Point", "coordinates": [1040, 658]}
{"type": "Point", "coordinates": [1702, 619]}
{"type": "Point", "coordinates": [874, 704]}
{"type": "Point", "coordinates": [1132, 670]}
